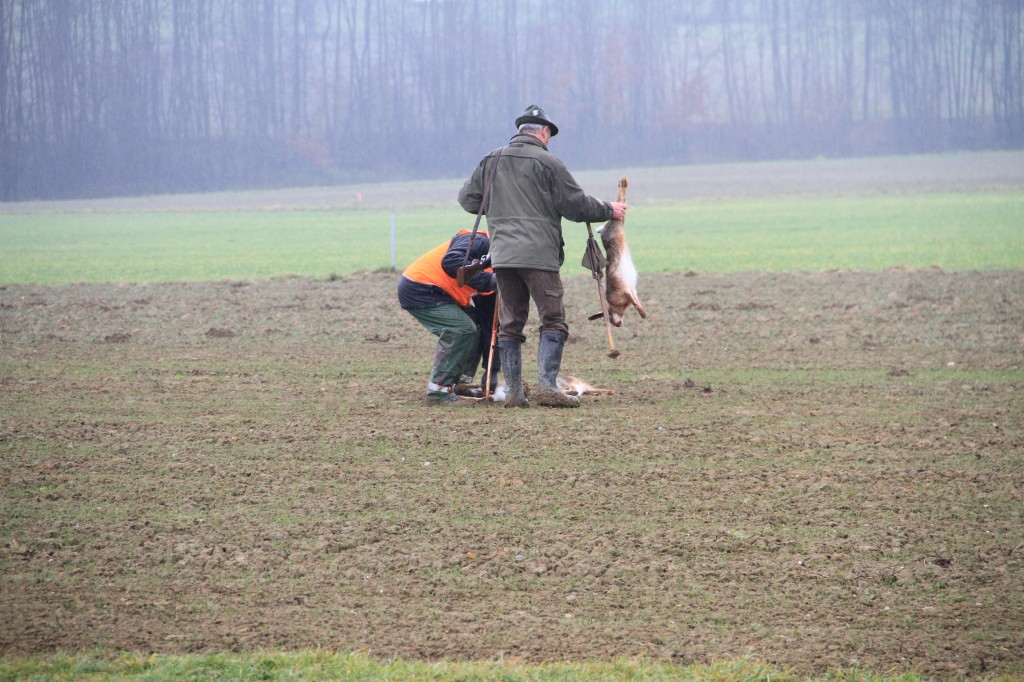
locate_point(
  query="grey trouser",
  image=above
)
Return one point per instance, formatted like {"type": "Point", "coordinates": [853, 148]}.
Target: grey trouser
{"type": "Point", "coordinates": [516, 286]}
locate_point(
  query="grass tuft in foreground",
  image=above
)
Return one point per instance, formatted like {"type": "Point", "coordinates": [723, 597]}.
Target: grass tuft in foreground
{"type": "Point", "coordinates": [325, 665]}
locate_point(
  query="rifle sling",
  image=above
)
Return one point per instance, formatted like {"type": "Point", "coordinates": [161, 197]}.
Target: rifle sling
{"type": "Point", "coordinates": [483, 206]}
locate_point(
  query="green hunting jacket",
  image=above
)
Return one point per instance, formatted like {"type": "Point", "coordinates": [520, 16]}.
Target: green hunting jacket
{"type": "Point", "coordinates": [532, 192]}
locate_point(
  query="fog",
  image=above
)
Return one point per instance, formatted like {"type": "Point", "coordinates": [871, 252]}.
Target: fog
{"type": "Point", "coordinates": [139, 97]}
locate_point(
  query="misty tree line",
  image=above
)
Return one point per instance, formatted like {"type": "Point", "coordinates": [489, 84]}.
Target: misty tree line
{"type": "Point", "coordinates": [101, 97]}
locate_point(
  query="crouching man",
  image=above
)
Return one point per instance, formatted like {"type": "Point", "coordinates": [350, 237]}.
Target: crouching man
{"type": "Point", "coordinates": [459, 316]}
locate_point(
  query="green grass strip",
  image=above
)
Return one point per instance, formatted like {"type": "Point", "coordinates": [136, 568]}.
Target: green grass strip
{"type": "Point", "coordinates": [954, 231]}
{"type": "Point", "coordinates": [969, 231]}
{"type": "Point", "coordinates": [322, 665]}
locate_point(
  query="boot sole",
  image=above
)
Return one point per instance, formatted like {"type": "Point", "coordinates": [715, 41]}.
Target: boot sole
{"type": "Point", "coordinates": [550, 398]}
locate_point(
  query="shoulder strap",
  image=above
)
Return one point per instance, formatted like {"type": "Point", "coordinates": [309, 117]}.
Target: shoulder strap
{"type": "Point", "coordinates": [483, 205]}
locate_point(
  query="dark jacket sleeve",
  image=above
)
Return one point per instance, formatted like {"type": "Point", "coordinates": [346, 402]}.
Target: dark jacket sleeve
{"type": "Point", "coordinates": [472, 192]}
{"type": "Point", "coordinates": [572, 202]}
{"type": "Point", "coordinates": [455, 256]}
{"type": "Point", "coordinates": [485, 282]}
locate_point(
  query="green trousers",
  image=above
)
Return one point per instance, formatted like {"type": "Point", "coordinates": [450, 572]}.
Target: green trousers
{"type": "Point", "coordinates": [457, 351]}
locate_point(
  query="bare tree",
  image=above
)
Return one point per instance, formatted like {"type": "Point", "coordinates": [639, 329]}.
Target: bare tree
{"type": "Point", "coordinates": [117, 96]}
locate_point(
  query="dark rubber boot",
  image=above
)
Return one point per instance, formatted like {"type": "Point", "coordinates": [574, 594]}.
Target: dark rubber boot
{"type": "Point", "coordinates": [549, 361]}
{"type": "Point", "coordinates": [512, 367]}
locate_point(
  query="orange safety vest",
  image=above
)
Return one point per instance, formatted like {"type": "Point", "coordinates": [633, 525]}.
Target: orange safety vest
{"type": "Point", "coordinates": [427, 270]}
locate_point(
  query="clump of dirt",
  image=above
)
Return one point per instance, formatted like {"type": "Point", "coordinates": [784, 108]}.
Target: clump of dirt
{"type": "Point", "coordinates": [817, 470]}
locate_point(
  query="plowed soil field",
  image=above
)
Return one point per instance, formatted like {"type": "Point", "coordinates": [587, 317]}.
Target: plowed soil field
{"type": "Point", "coordinates": [818, 471]}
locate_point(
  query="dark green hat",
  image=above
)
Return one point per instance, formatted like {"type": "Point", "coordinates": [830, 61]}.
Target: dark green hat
{"type": "Point", "coordinates": [535, 114]}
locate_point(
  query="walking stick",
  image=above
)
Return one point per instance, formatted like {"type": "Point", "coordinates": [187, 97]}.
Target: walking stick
{"type": "Point", "coordinates": [594, 260]}
{"type": "Point", "coordinates": [490, 351]}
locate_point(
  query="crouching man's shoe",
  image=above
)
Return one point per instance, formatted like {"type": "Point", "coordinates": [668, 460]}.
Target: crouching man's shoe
{"type": "Point", "coordinates": [444, 395]}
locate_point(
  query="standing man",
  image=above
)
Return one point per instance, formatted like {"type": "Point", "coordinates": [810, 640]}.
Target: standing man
{"type": "Point", "coordinates": [532, 191]}
{"type": "Point", "coordinates": [457, 315]}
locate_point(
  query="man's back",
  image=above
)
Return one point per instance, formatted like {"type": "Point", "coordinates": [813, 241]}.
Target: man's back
{"type": "Point", "coordinates": [532, 192]}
